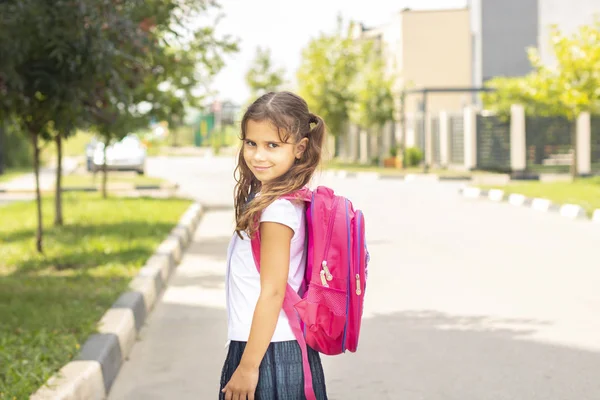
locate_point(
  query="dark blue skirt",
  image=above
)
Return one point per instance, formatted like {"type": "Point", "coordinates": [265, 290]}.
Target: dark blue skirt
{"type": "Point", "coordinates": [280, 373]}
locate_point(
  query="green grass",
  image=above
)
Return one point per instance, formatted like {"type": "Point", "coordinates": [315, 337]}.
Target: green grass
{"type": "Point", "coordinates": [89, 179]}
{"type": "Point", "coordinates": [352, 167]}
{"type": "Point", "coordinates": [12, 173]}
{"type": "Point", "coordinates": [584, 192]}
{"type": "Point", "coordinates": [50, 303]}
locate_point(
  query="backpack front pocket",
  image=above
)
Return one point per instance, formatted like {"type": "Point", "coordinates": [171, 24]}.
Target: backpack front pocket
{"type": "Point", "coordinates": [323, 312]}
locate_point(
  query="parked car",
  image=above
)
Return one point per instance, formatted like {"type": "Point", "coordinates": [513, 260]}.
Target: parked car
{"type": "Point", "coordinates": [129, 154]}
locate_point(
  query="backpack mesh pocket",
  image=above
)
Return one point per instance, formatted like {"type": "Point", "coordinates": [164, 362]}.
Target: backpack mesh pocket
{"type": "Point", "coordinates": [334, 299]}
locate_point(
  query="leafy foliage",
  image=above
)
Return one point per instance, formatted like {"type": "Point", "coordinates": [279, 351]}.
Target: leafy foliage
{"type": "Point", "coordinates": [374, 101]}
{"type": "Point", "coordinates": [262, 77]}
{"type": "Point", "coordinates": [568, 88]}
{"type": "Point", "coordinates": [329, 64]}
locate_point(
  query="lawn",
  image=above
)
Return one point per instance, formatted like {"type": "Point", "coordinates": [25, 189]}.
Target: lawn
{"type": "Point", "coordinates": [50, 304]}
{"type": "Point", "coordinates": [91, 180]}
{"type": "Point", "coordinates": [12, 173]}
{"type": "Point", "coordinates": [584, 192]}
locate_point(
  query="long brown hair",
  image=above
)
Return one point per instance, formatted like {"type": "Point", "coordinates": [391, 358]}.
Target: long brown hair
{"type": "Point", "coordinates": [289, 113]}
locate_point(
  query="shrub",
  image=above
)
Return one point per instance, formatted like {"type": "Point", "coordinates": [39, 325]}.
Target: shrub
{"type": "Point", "coordinates": [413, 156]}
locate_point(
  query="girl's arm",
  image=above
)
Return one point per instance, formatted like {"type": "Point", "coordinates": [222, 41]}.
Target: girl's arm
{"type": "Point", "coordinates": [274, 268]}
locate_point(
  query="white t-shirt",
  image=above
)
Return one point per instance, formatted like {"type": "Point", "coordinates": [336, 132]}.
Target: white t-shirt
{"type": "Point", "coordinates": [243, 280]}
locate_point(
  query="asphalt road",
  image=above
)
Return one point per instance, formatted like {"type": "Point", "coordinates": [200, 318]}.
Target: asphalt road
{"type": "Point", "coordinates": [466, 299]}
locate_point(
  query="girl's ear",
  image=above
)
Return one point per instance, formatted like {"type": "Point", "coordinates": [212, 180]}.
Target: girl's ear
{"type": "Point", "coordinates": [301, 148]}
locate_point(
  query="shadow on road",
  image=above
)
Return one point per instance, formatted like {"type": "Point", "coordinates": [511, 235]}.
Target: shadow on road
{"type": "Point", "coordinates": [431, 355]}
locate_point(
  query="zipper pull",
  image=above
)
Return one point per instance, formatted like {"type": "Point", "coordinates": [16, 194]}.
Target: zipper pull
{"type": "Point", "coordinates": [323, 280]}
{"type": "Point", "coordinates": [358, 291]}
{"type": "Point", "coordinates": [327, 273]}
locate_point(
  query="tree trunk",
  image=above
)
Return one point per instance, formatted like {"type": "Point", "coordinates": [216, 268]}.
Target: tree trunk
{"type": "Point", "coordinates": [38, 194]}
{"type": "Point", "coordinates": [174, 141]}
{"type": "Point", "coordinates": [105, 170]}
{"type": "Point", "coordinates": [574, 172]}
{"type": "Point", "coordinates": [58, 215]}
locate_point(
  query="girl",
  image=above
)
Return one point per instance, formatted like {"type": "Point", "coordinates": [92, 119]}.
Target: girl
{"type": "Point", "coordinates": [281, 149]}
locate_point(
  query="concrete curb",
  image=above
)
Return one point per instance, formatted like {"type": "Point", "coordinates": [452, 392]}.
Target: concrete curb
{"type": "Point", "coordinates": [572, 211]}
{"type": "Point", "coordinates": [372, 176]}
{"type": "Point", "coordinates": [94, 189]}
{"type": "Point", "coordinates": [92, 373]}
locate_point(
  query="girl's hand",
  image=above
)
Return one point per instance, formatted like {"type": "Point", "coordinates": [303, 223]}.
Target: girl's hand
{"type": "Point", "coordinates": [242, 383]}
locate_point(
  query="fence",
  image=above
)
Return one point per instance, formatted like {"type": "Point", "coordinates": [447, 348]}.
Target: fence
{"type": "Point", "coordinates": [493, 143]}
{"type": "Point", "coordinates": [435, 140]}
{"type": "Point", "coordinates": [419, 132]}
{"type": "Point", "coordinates": [518, 144]}
{"type": "Point", "coordinates": [457, 139]}
{"type": "Point", "coordinates": [548, 143]}
{"type": "Point", "coordinates": [595, 144]}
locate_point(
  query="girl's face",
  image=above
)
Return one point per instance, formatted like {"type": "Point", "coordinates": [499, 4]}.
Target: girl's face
{"type": "Point", "coordinates": [266, 156]}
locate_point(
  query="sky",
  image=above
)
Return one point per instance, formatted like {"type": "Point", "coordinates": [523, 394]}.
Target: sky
{"type": "Point", "coordinates": [286, 27]}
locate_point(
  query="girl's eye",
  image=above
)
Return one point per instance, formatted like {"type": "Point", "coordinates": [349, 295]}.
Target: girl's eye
{"type": "Point", "coordinates": [273, 145]}
{"type": "Point", "coordinates": [250, 143]}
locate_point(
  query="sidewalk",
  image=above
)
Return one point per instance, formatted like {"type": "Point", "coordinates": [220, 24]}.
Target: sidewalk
{"type": "Point", "coordinates": [26, 182]}
{"type": "Point", "coordinates": [180, 351]}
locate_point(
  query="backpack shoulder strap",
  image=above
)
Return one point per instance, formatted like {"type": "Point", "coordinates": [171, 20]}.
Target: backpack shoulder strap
{"type": "Point", "coordinates": [304, 194]}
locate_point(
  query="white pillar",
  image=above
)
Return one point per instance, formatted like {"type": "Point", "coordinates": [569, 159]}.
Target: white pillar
{"type": "Point", "coordinates": [444, 139]}
{"type": "Point", "coordinates": [364, 147]}
{"type": "Point", "coordinates": [353, 142]}
{"type": "Point", "coordinates": [428, 141]}
{"type": "Point", "coordinates": [410, 131]}
{"type": "Point", "coordinates": [518, 148]}
{"type": "Point", "coordinates": [584, 147]}
{"type": "Point", "coordinates": [470, 132]}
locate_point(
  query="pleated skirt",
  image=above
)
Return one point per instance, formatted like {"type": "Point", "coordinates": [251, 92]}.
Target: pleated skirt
{"type": "Point", "coordinates": [280, 373]}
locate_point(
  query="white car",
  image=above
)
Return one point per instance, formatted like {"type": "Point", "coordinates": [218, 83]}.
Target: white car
{"type": "Point", "coordinates": [129, 154]}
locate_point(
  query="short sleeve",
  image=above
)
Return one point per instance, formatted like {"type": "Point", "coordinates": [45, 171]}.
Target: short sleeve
{"type": "Point", "coordinates": [283, 212]}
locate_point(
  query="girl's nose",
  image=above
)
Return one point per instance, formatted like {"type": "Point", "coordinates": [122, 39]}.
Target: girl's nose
{"type": "Point", "coordinates": [259, 155]}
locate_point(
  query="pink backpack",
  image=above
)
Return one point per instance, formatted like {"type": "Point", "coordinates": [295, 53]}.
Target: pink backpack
{"type": "Point", "coordinates": [327, 315]}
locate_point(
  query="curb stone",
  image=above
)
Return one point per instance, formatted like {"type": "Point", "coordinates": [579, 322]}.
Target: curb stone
{"type": "Point", "coordinates": [91, 374]}
{"type": "Point", "coordinates": [572, 211]}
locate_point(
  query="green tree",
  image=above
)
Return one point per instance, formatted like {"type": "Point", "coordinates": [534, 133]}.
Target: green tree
{"type": "Point", "coordinates": [329, 63]}
{"type": "Point", "coordinates": [49, 59]}
{"type": "Point", "coordinates": [262, 77]}
{"type": "Point", "coordinates": [374, 101]}
{"type": "Point", "coordinates": [66, 64]}
{"type": "Point", "coordinates": [567, 89]}
{"type": "Point", "coordinates": [162, 78]}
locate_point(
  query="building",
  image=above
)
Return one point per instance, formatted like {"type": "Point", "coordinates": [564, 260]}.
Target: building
{"type": "Point", "coordinates": [503, 30]}
{"type": "Point", "coordinates": [425, 49]}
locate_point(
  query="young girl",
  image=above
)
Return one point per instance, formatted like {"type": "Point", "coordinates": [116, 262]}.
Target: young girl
{"type": "Point", "coordinates": [281, 149]}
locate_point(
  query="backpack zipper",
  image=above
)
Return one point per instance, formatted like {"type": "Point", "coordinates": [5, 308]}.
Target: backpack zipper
{"type": "Point", "coordinates": [358, 260]}
{"type": "Point", "coordinates": [349, 278]}
{"type": "Point", "coordinates": [324, 269]}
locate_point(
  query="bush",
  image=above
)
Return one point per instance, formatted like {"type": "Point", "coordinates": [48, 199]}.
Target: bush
{"type": "Point", "coordinates": [413, 156]}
